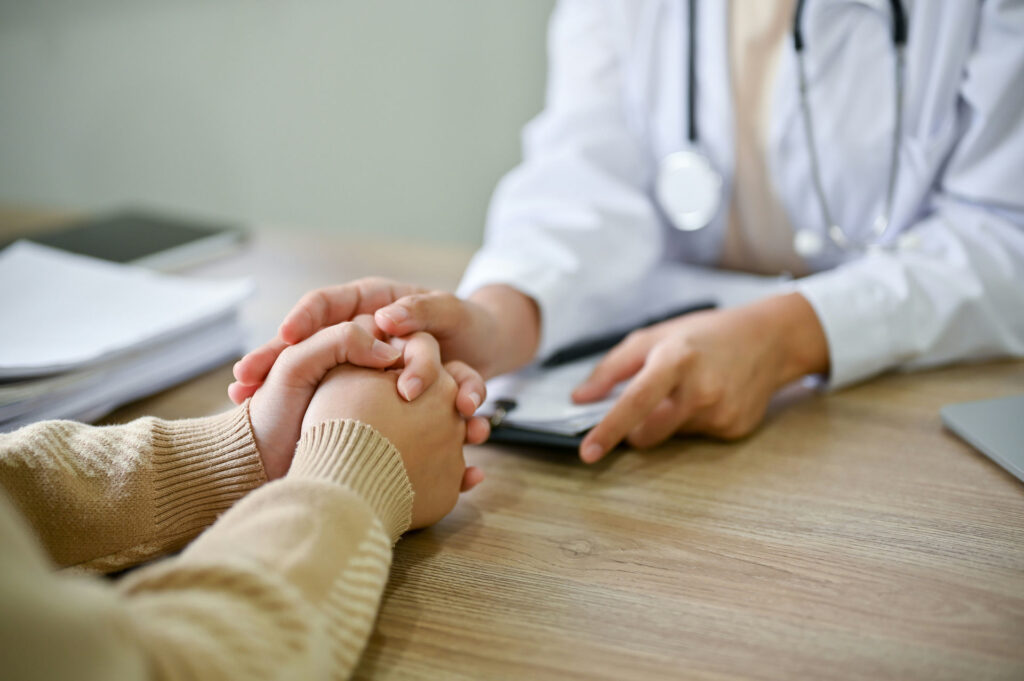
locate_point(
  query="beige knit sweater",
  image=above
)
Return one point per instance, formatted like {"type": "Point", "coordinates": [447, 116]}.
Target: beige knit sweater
{"type": "Point", "coordinates": [281, 584]}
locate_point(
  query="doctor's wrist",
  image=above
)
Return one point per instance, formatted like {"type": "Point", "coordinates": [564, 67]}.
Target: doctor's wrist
{"type": "Point", "coordinates": [513, 327]}
{"type": "Point", "coordinates": [798, 335]}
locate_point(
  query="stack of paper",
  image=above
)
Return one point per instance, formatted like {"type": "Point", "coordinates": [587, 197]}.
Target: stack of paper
{"type": "Point", "coordinates": [82, 336]}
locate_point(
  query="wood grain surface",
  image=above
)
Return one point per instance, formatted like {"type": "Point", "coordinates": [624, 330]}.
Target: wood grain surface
{"type": "Point", "coordinates": [851, 537]}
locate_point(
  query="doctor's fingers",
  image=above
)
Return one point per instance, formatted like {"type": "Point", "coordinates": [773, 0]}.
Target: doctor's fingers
{"type": "Point", "coordinates": [421, 356]}
{"type": "Point", "coordinates": [661, 424]}
{"type": "Point", "coordinates": [334, 304]}
{"type": "Point", "coordinates": [472, 392]}
{"type": "Point", "coordinates": [724, 420]}
{"type": "Point", "coordinates": [438, 312]}
{"type": "Point", "coordinates": [471, 477]}
{"type": "Point", "coordinates": [655, 381]}
{"type": "Point", "coordinates": [478, 429]}
{"type": "Point", "coordinates": [621, 362]}
{"type": "Point", "coordinates": [696, 395]}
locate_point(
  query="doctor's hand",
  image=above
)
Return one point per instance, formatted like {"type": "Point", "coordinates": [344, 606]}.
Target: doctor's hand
{"type": "Point", "coordinates": [494, 331]}
{"type": "Point", "coordinates": [711, 373]}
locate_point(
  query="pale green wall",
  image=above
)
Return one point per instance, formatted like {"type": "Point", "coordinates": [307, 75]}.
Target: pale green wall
{"type": "Point", "coordinates": [393, 117]}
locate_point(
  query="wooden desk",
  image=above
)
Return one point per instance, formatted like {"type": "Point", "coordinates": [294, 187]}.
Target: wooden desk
{"type": "Point", "coordinates": [850, 538]}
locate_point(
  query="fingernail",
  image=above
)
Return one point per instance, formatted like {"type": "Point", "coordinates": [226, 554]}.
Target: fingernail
{"type": "Point", "coordinates": [396, 314]}
{"type": "Point", "coordinates": [382, 350]}
{"type": "Point", "coordinates": [475, 399]}
{"type": "Point", "coordinates": [411, 388]}
{"type": "Point", "coordinates": [592, 453]}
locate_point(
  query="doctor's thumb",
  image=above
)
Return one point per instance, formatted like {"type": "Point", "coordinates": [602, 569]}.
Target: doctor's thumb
{"type": "Point", "coordinates": [438, 313]}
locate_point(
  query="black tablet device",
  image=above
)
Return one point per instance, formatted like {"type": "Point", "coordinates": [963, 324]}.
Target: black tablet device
{"type": "Point", "coordinates": [144, 238]}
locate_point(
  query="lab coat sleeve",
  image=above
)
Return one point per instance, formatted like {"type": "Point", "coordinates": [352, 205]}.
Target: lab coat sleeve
{"type": "Point", "coordinates": [573, 226]}
{"type": "Point", "coordinates": [956, 291]}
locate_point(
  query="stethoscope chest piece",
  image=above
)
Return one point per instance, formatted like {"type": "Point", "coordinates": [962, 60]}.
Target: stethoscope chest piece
{"type": "Point", "coordinates": [808, 243]}
{"type": "Point", "coordinates": [689, 189]}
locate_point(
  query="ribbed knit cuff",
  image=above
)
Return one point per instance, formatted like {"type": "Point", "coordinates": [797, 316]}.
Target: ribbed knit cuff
{"type": "Point", "coordinates": [357, 456]}
{"type": "Point", "coordinates": [201, 467]}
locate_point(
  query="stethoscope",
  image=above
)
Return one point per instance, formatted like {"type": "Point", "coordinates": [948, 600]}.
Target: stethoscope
{"type": "Point", "coordinates": [690, 189]}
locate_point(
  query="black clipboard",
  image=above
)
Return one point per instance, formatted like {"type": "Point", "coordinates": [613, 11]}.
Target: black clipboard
{"type": "Point", "coordinates": [513, 435]}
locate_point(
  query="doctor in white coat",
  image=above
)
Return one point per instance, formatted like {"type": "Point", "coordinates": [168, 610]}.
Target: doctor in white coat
{"type": "Point", "coordinates": [873, 150]}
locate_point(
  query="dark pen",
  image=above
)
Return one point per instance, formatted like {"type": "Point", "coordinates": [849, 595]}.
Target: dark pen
{"type": "Point", "coordinates": [596, 344]}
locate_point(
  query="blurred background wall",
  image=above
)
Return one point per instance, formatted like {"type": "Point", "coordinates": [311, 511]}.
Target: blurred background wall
{"type": "Point", "coordinates": [387, 117]}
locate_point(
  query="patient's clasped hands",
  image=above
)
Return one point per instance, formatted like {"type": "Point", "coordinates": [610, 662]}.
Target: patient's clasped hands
{"type": "Point", "coordinates": [352, 370]}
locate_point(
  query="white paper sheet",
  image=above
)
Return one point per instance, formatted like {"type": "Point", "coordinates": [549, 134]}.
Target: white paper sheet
{"type": "Point", "coordinates": [543, 398]}
{"type": "Point", "coordinates": [61, 311]}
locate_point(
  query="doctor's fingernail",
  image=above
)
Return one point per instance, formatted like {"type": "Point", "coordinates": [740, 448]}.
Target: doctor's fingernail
{"type": "Point", "coordinates": [592, 453]}
{"type": "Point", "coordinates": [395, 313]}
{"type": "Point", "coordinates": [383, 351]}
{"type": "Point", "coordinates": [475, 399]}
{"type": "Point", "coordinates": [411, 388]}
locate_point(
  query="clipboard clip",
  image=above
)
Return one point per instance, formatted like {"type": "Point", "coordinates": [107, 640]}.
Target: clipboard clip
{"type": "Point", "coordinates": [501, 410]}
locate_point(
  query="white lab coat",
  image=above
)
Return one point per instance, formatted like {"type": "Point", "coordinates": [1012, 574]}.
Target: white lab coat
{"type": "Point", "coordinates": [576, 226]}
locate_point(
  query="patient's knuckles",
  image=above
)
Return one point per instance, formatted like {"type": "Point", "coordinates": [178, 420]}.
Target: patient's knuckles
{"type": "Point", "coordinates": [315, 304]}
{"type": "Point", "coordinates": [365, 321]}
{"type": "Point", "coordinates": [290, 359]}
{"type": "Point", "coordinates": [375, 290]}
{"type": "Point", "coordinates": [311, 298]}
{"type": "Point", "coordinates": [444, 391]}
{"type": "Point", "coordinates": [372, 283]}
{"type": "Point", "coordinates": [448, 384]}
{"type": "Point", "coordinates": [350, 334]}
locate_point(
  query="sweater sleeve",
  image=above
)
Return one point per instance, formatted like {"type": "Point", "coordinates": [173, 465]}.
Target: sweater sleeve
{"type": "Point", "coordinates": [106, 498]}
{"type": "Point", "coordinates": [285, 584]}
